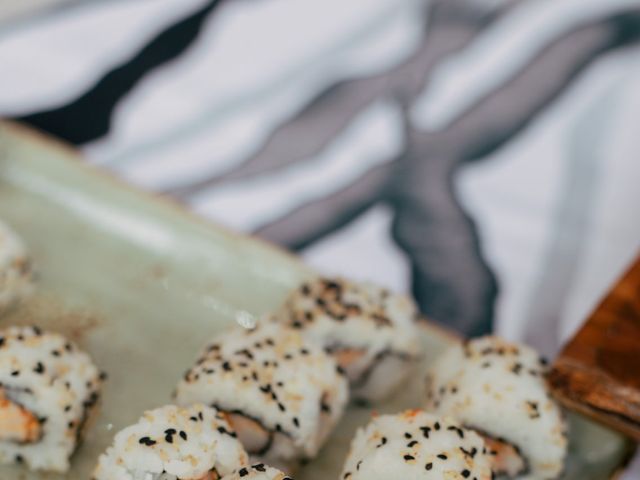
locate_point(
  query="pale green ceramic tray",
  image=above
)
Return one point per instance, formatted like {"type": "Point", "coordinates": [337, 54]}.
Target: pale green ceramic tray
{"type": "Point", "coordinates": [141, 284]}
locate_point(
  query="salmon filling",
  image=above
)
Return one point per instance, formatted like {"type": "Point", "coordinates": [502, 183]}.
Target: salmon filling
{"type": "Point", "coordinates": [506, 458]}
{"type": "Point", "coordinates": [210, 476]}
{"type": "Point", "coordinates": [254, 437]}
{"type": "Point", "coordinates": [347, 358]}
{"type": "Point", "coordinates": [17, 424]}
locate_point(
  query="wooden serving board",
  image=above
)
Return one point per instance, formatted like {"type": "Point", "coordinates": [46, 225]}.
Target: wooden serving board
{"type": "Point", "coordinates": [598, 372]}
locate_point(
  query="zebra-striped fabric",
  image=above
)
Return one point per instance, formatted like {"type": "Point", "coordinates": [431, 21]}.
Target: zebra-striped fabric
{"type": "Point", "coordinates": [482, 154]}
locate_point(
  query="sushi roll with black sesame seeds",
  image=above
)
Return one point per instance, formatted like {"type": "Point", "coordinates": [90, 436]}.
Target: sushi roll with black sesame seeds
{"type": "Point", "coordinates": [48, 388]}
{"type": "Point", "coordinates": [370, 331]}
{"type": "Point", "coordinates": [499, 389]}
{"type": "Point", "coordinates": [416, 445]}
{"type": "Point", "coordinates": [258, 471]}
{"type": "Point", "coordinates": [16, 276]}
{"type": "Point", "coordinates": [282, 394]}
{"type": "Point", "coordinates": [173, 443]}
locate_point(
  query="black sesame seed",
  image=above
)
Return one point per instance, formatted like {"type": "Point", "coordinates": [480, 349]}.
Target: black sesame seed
{"type": "Point", "coordinates": [265, 388]}
{"type": "Point", "coordinates": [146, 441]}
{"type": "Point", "coordinates": [183, 435]}
{"type": "Point", "coordinates": [442, 456]}
{"type": "Point", "coordinates": [408, 458]}
{"type": "Point", "coordinates": [428, 466]}
{"type": "Point", "coordinates": [246, 353]}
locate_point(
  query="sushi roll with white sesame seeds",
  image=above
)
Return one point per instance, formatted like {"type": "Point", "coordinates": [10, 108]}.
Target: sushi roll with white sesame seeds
{"type": "Point", "coordinates": [48, 388]}
{"type": "Point", "coordinates": [499, 389]}
{"type": "Point", "coordinates": [258, 471]}
{"type": "Point", "coordinates": [371, 332]}
{"type": "Point", "coordinates": [172, 443]}
{"type": "Point", "coordinates": [16, 276]}
{"type": "Point", "coordinates": [282, 395]}
{"type": "Point", "coordinates": [416, 445]}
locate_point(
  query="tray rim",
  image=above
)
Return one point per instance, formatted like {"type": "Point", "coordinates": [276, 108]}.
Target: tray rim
{"type": "Point", "coordinates": [74, 158]}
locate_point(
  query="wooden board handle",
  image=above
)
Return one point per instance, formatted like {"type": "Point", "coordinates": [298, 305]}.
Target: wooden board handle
{"type": "Point", "coordinates": [598, 372]}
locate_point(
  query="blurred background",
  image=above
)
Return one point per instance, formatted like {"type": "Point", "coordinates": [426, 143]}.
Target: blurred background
{"type": "Point", "coordinates": [481, 154]}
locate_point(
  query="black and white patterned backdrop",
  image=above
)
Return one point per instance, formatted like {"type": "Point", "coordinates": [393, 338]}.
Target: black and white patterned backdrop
{"type": "Point", "coordinates": [482, 154]}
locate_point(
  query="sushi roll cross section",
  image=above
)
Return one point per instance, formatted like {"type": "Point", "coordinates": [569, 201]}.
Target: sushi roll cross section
{"type": "Point", "coordinates": [499, 389]}
{"type": "Point", "coordinates": [371, 332]}
{"type": "Point", "coordinates": [415, 445]}
{"type": "Point", "coordinates": [282, 394]}
{"type": "Point", "coordinates": [173, 443]}
{"type": "Point", "coordinates": [48, 388]}
{"type": "Point", "coordinates": [16, 276]}
{"type": "Point", "coordinates": [258, 471]}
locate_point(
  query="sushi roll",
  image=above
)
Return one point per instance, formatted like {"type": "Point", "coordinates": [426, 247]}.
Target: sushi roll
{"type": "Point", "coordinates": [370, 331]}
{"type": "Point", "coordinates": [283, 396]}
{"type": "Point", "coordinates": [173, 443]}
{"type": "Point", "coordinates": [498, 388]}
{"type": "Point", "coordinates": [258, 471]}
{"type": "Point", "coordinates": [48, 388]}
{"type": "Point", "coordinates": [416, 445]}
{"type": "Point", "coordinates": [16, 276]}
